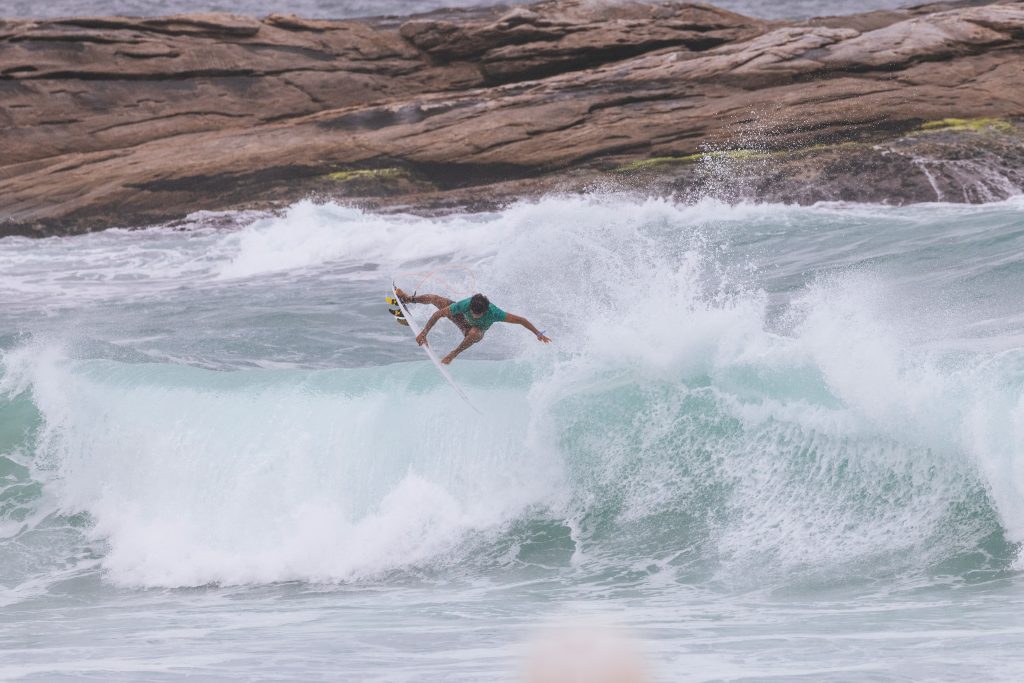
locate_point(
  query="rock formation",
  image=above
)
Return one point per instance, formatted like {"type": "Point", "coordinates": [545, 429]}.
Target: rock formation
{"type": "Point", "coordinates": [127, 121]}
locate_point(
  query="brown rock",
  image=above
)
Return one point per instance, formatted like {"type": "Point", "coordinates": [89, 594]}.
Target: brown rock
{"type": "Point", "coordinates": [121, 121]}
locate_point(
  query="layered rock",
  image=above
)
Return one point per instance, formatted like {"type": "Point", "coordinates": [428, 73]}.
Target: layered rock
{"type": "Point", "coordinates": [118, 121]}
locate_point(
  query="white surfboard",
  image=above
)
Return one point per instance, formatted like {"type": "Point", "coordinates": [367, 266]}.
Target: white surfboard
{"type": "Point", "coordinates": [430, 353]}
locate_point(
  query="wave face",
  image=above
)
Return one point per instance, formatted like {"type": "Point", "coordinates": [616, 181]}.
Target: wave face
{"type": "Point", "coordinates": [736, 396]}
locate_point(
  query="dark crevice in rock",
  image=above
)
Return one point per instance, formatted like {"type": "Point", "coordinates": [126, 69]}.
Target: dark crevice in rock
{"type": "Point", "coordinates": [29, 40]}
{"type": "Point", "coordinates": [171, 116]}
{"type": "Point", "coordinates": [114, 76]}
{"type": "Point", "coordinates": [227, 184]}
{"type": "Point", "coordinates": [167, 26]}
{"type": "Point", "coordinates": [635, 99]}
{"type": "Point", "coordinates": [448, 176]}
{"type": "Point", "coordinates": [501, 71]}
{"type": "Point", "coordinates": [375, 119]}
{"type": "Point", "coordinates": [317, 55]}
{"type": "Point", "coordinates": [175, 76]}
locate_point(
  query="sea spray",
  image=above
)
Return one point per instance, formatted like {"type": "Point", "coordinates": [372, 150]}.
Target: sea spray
{"type": "Point", "coordinates": [769, 441]}
{"type": "Point", "coordinates": [734, 393]}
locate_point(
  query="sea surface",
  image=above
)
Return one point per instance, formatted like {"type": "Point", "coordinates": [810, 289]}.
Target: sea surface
{"type": "Point", "coordinates": [768, 443]}
{"type": "Point", "coordinates": [341, 9]}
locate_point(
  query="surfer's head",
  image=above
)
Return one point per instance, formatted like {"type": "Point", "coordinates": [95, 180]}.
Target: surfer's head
{"type": "Point", "coordinates": [478, 305]}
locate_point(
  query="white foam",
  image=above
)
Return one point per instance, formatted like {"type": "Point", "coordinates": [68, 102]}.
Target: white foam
{"type": "Point", "coordinates": [849, 388]}
{"type": "Point", "coordinates": [250, 477]}
{"type": "Point", "coordinates": [196, 477]}
{"type": "Point", "coordinates": [309, 235]}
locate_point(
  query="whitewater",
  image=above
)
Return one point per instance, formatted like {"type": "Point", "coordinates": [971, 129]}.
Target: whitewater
{"type": "Point", "coordinates": [767, 442]}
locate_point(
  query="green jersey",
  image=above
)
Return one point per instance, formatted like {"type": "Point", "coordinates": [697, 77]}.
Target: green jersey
{"type": "Point", "coordinates": [492, 315]}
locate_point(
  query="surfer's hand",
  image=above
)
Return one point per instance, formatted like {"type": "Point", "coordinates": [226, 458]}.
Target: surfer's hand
{"type": "Point", "coordinates": [447, 360]}
{"type": "Point", "coordinates": [542, 338]}
{"type": "Point", "coordinates": [421, 338]}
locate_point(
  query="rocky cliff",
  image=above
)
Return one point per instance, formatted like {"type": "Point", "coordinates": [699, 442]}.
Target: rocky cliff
{"type": "Point", "coordinates": [125, 121]}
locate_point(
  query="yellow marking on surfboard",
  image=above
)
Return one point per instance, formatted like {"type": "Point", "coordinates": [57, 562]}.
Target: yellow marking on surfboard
{"type": "Point", "coordinates": [396, 310]}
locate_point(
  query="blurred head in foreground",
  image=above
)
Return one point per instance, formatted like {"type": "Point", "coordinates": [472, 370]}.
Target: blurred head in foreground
{"type": "Point", "coordinates": [581, 654]}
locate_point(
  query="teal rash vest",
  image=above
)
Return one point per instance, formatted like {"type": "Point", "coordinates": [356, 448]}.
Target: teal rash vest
{"type": "Point", "coordinates": [492, 315]}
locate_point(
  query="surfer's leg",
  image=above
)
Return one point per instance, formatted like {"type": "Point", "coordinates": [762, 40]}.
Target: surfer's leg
{"type": "Point", "coordinates": [474, 335]}
{"type": "Point", "coordinates": [435, 299]}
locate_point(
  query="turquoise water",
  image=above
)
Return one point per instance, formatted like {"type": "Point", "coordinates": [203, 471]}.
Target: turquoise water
{"type": "Point", "coordinates": [767, 443]}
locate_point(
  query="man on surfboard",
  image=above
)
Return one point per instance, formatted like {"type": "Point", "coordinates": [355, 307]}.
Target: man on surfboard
{"type": "Point", "coordinates": [473, 316]}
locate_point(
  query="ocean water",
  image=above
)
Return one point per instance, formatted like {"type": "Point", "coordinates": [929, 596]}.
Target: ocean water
{"type": "Point", "coordinates": [342, 9]}
{"type": "Point", "coordinates": [767, 443]}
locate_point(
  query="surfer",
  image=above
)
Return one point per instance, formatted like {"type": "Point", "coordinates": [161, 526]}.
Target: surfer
{"type": "Point", "coordinates": [473, 316]}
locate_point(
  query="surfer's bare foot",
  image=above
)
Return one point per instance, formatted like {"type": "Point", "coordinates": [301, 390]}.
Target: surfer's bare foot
{"type": "Point", "coordinates": [403, 297]}
{"type": "Point", "coordinates": [447, 360]}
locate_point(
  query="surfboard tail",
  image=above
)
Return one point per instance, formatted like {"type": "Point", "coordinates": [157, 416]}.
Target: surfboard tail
{"type": "Point", "coordinates": [395, 309]}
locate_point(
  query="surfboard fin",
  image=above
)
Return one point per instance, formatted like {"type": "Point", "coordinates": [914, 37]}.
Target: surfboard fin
{"type": "Point", "coordinates": [396, 310]}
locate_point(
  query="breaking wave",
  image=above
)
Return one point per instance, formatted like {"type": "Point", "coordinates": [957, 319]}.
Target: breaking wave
{"type": "Point", "coordinates": [695, 419]}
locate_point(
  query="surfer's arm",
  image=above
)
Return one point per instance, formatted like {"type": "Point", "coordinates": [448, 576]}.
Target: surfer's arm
{"type": "Point", "coordinates": [520, 320]}
{"type": "Point", "coordinates": [438, 314]}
